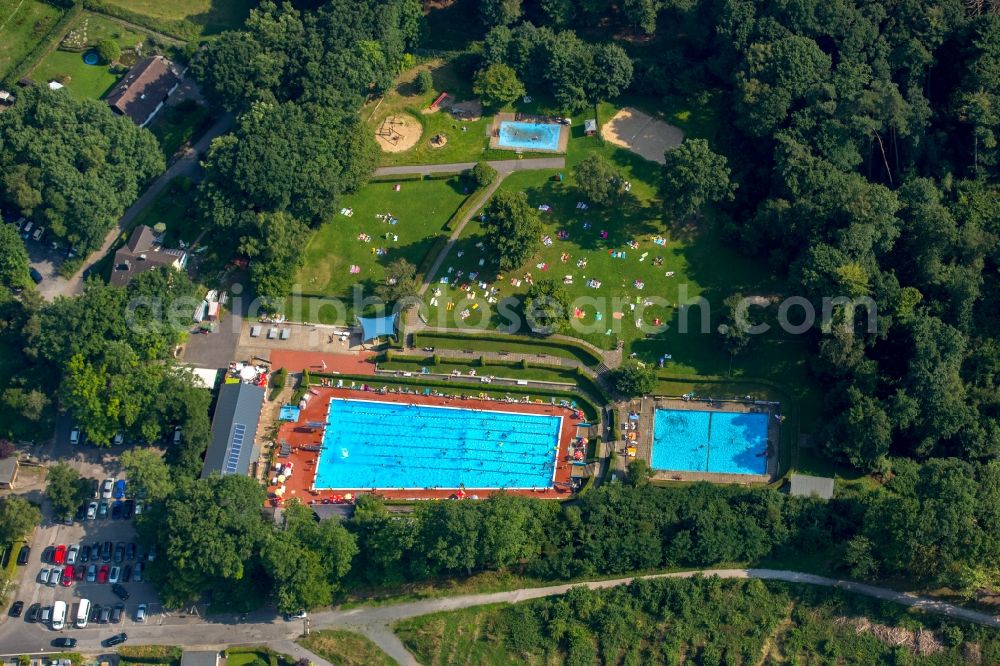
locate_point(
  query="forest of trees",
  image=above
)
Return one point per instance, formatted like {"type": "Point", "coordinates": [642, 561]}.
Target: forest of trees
{"type": "Point", "coordinates": [295, 79]}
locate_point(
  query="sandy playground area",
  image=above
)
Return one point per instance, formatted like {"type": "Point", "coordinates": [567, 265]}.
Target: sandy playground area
{"type": "Point", "coordinates": [398, 133]}
{"type": "Point", "coordinates": [642, 134]}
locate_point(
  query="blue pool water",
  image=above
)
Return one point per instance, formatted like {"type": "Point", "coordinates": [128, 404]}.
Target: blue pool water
{"type": "Point", "coordinates": [530, 136]}
{"type": "Point", "coordinates": [91, 58]}
{"type": "Point", "coordinates": [388, 445]}
{"type": "Point", "coordinates": [288, 413]}
{"type": "Point", "coordinates": [697, 441]}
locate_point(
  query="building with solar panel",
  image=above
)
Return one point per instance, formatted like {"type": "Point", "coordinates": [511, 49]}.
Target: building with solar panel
{"type": "Point", "coordinates": [234, 429]}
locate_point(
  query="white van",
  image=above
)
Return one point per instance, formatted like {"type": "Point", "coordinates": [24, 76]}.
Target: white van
{"type": "Point", "coordinates": [58, 615]}
{"type": "Point", "coordinates": [82, 613]}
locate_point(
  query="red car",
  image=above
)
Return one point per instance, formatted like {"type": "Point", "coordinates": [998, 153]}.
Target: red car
{"type": "Point", "coordinates": [67, 578]}
{"type": "Point", "coordinates": [102, 575]}
{"type": "Point", "coordinates": [59, 556]}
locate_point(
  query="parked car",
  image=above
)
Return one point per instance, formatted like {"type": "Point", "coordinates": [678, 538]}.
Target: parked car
{"type": "Point", "coordinates": [115, 574]}
{"type": "Point", "coordinates": [47, 554]}
{"type": "Point", "coordinates": [152, 553]}
{"type": "Point", "coordinates": [36, 277]}
{"type": "Point", "coordinates": [81, 513]}
{"type": "Point", "coordinates": [26, 230]}
{"type": "Point", "coordinates": [45, 615]}
{"type": "Point", "coordinates": [95, 551]}
{"type": "Point", "coordinates": [128, 509]}
{"type": "Point", "coordinates": [105, 615]}
{"type": "Point", "coordinates": [107, 488]}
{"type": "Point", "coordinates": [64, 642]}
{"type": "Point", "coordinates": [33, 613]}
{"type": "Point", "coordinates": [43, 576]}
{"type": "Point", "coordinates": [301, 615]}
{"type": "Point", "coordinates": [117, 639]}
{"type": "Point", "coordinates": [137, 573]}
{"type": "Point", "coordinates": [74, 435]}
{"type": "Point", "coordinates": [117, 613]}
{"type": "Point", "coordinates": [106, 551]}
{"type": "Point", "coordinates": [23, 555]}
{"type": "Point", "coordinates": [119, 491]}
{"type": "Point", "coordinates": [116, 511]}
{"type": "Point", "coordinates": [140, 613]}
{"type": "Point", "coordinates": [95, 488]}
{"type": "Point", "coordinates": [16, 609]}
{"type": "Point", "coordinates": [95, 613]}
{"type": "Point", "coordinates": [130, 551]}
{"type": "Point", "coordinates": [102, 509]}
{"type": "Point", "coordinates": [138, 508]}
{"type": "Point", "coordinates": [91, 572]}
{"type": "Point", "coordinates": [126, 573]}
{"type": "Point", "coordinates": [59, 556]}
{"type": "Point", "coordinates": [102, 574]}
{"type": "Point", "coordinates": [119, 440]}
{"type": "Point", "coordinates": [67, 576]}
{"type": "Point", "coordinates": [92, 511]}
{"type": "Point", "coordinates": [120, 592]}
{"type": "Point", "coordinates": [79, 572]}
{"type": "Point", "coordinates": [72, 553]}
{"type": "Point", "coordinates": [119, 552]}
{"type": "Point", "coordinates": [37, 236]}
{"type": "Point", "coordinates": [55, 577]}
{"type": "Point", "coordinates": [84, 555]}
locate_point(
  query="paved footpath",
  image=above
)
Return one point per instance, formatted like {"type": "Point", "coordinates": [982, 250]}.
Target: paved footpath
{"type": "Point", "coordinates": [375, 622]}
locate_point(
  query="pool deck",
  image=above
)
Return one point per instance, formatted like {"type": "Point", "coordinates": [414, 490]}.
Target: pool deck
{"type": "Point", "coordinates": [298, 434]}
{"type": "Point", "coordinates": [505, 117]}
{"type": "Point", "coordinates": [646, 407]}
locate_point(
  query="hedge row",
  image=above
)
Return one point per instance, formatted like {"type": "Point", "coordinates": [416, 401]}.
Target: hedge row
{"type": "Point", "coordinates": [34, 55]}
{"type": "Point", "coordinates": [150, 654]}
{"type": "Point", "coordinates": [432, 253]}
{"type": "Point", "coordinates": [397, 178]}
{"type": "Point", "coordinates": [274, 658]}
{"type": "Point", "coordinates": [589, 408]}
{"type": "Point", "coordinates": [470, 202]}
{"type": "Point", "coordinates": [576, 349]}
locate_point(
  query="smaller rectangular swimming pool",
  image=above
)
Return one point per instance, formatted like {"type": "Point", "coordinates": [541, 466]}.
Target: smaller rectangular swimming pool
{"type": "Point", "coordinates": [529, 136]}
{"type": "Point", "coordinates": [700, 441]}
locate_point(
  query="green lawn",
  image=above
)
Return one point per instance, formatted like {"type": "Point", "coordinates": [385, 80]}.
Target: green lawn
{"type": "Point", "coordinates": [23, 24]}
{"type": "Point", "coordinates": [345, 648]}
{"type": "Point", "coordinates": [449, 364]}
{"type": "Point", "coordinates": [175, 126]}
{"type": "Point", "coordinates": [87, 81]}
{"type": "Point", "coordinates": [173, 208]}
{"type": "Point", "coordinates": [422, 208]}
{"type": "Point", "coordinates": [185, 19]}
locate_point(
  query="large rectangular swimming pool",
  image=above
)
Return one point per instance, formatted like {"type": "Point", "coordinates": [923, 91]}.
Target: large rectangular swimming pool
{"type": "Point", "coordinates": [387, 445]}
{"type": "Point", "coordinates": [529, 136]}
{"type": "Point", "coordinates": [699, 441]}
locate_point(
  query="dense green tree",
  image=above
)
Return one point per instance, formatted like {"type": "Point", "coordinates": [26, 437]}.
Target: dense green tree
{"type": "Point", "coordinates": [599, 180]}
{"type": "Point", "coordinates": [400, 282]}
{"type": "Point", "coordinates": [424, 82]}
{"type": "Point", "coordinates": [483, 174]}
{"type": "Point", "coordinates": [499, 12]}
{"type": "Point", "coordinates": [546, 307]}
{"type": "Point", "coordinates": [13, 259]}
{"type": "Point", "coordinates": [274, 245]}
{"type": "Point", "coordinates": [612, 72]}
{"type": "Point", "coordinates": [693, 176]}
{"type": "Point", "coordinates": [109, 51]}
{"type": "Point", "coordinates": [513, 228]}
{"type": "Point", "coordinates": [632, 378]}
{"type": "Point", "coordinates": [639, 473]}
{"type": "Point", "coordinates": [497, 85]}
{"type": "Point", "coordinates": [148, 474]}
{"type": "Point", "coordinates": [210, 534]}
{"type": "Point", "coordinates": [65, 489]}
{"type": "Point", "coordinates": [71, 165]}
{"type": "Point", "coordinates": [18, 517]}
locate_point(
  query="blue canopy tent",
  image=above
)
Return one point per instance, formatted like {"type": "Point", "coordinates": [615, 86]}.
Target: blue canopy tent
{"type": "Point", "coordinates": [376, 327]}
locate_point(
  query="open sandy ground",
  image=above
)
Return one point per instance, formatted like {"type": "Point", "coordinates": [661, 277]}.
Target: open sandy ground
{"type": "Point", "coordinates": [642, 134]}
{"type": "Point", "coordinates": [403, 132]}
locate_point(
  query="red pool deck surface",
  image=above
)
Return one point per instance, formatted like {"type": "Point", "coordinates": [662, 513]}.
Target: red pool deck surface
{"type": "Point", "coordinates": [298, 434]}
{"type": "Point", "coordinates": [348, 364]}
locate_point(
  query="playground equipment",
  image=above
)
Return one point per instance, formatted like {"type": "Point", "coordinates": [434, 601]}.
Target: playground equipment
{"type": "Point", "coordinates": [387, 130]}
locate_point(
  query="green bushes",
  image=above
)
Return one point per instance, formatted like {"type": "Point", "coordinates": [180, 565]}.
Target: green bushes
{"type": "Point", "coordinates": [424, 82]}
{"type": "Point", "coordinates": [278, 379]}
{"type": "Point", "coordinates": [485, 341]}
{"type": "Point", "coordinates": [483, 174]}
{"type": "Point", "coordinates": [150, 654]}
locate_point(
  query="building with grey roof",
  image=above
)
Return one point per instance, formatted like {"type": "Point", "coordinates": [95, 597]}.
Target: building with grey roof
{"type": "Point", "coordinates": [234, 429]}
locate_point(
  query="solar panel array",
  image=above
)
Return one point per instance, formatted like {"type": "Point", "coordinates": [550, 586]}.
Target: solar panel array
{"type": "Point", "coordinates": [235, 446]}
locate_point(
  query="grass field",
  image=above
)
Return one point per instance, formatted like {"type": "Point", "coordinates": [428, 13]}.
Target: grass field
{"type": "Point", "coordinates": [87, 81]}
{"type": "Point", "coordinates": [345, 648]}
{"type": "Point", "coordinates": [23, 24]}
{"type": "Point", "coordinates": [422, 208]}
{"type": "Point", "coordinates": [447, 365]}
{"type": "Point", "coordinates": [185, 19]}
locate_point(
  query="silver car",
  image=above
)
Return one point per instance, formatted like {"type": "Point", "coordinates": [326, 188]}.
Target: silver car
{"type": "Point", "coordinates": [55, 577]}
{"type": "Point", "coordinates": [72, 554]}
{"type": "Point", "coordinates": [107, 488]}
{"type": "Point", "coordinates": [43, 577]}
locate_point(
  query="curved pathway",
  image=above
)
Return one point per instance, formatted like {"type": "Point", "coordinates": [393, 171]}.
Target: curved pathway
{"type": "Point", "coordinates": [375, 622]}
